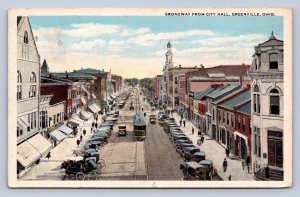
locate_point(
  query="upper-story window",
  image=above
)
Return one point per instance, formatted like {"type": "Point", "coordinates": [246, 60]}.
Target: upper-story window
{"type": "Point", "coordinates": [274, 102]}
{"type": "Point", "coordinates": [19, 77]}
{"type": "Point", "coordinates": [176, 90]}
{"type": "Point", "coordinates": [273, 59]}
{"type": "Point", "coordinates": [25, 46]}
{"type": "Point", "coordinates": [256, 99]}
{"type": "Point", "coordinates": [32, 77]}
{"type": "Point", "coordinates": [176, 80]}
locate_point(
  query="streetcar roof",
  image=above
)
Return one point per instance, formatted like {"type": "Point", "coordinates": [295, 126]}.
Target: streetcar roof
{"type": "Point", "coordinates": [139, 119]}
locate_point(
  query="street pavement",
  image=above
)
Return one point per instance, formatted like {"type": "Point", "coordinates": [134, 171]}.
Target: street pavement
{"type": "Point", "coordinates": [215, 152]}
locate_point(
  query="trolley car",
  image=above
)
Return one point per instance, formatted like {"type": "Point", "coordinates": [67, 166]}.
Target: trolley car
{"type": "Point", "coordinates": [139, 126]}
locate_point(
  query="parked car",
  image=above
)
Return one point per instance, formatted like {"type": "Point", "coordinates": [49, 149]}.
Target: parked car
{"type": "Point", "coordinates": [198, 156]}
{"type": "Point", "coordinates": [196, 171]}
{"type": "Point", "coordinates": [188, 152]}
{"type": "Point", "coordinates": [122, 130]}
{"type": "Point", "coordinates": [152, 119]}
{"type": "Point", "coordinates": [180, 146]}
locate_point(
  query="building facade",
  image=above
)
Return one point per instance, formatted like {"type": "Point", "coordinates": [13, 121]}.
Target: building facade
{"type": "Point", "coordinates": [267, 96]}
{"type": "Point", "coordinates": [28, 81]}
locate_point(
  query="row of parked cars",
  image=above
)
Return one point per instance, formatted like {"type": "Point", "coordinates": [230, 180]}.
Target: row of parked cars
{"type": "Point", "coordinates": [196, 166]}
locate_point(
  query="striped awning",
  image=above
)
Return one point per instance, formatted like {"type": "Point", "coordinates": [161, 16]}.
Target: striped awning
{"type": "Point", "coordinates": [40, 144]}
{"type": "Point", "coordinates": [27, 155]}
{"type": "Point", "coordinates": [65, 129]}
{"type": "Point", "coordinates": [58, 135]}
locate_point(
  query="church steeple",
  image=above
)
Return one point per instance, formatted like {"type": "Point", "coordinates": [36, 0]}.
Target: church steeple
{"type": "Point", "coordinates": [45, 67]}
{"type": "Point", "coordinates": [272, 36]}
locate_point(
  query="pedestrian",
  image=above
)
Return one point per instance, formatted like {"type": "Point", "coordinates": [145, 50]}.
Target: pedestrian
{"type": "Point", "coordinates": [91, 129]}
{"type": "Point", "coordinates": [267, 172]}
{"type": "Point", "coordinates": [202, 139]}
{"type": "Point", "coordinates": [180, 122]}
{"type": "Point", "coordinates": [227, 152]}
{"type": "Point", "coordinates": [142, 109]}
{"type": "Point", "coordinates": [48, 156]}
{"type": "Point", "coordinates": [225, 165]}
{"type": "Point", "coordinates": [183, 123]}
{"type": "Point", "coordinates": [93, 124]}
{"type": "Point", "coordinates": [192, 130]}
{"type": "Point", "coordinates": [80, 138]}
{"type": "Point", "coordinates": [84, 132]}
{"type": "Point", "coordinates": [248, 163]}
{"type": "Point", "coordinates": [181, 116]}
{"type": "Point", "coordinates": [78, 142]}
{"type": "Point", "coordinates": [229, 177]}
{"type": "Point", "coordinates": [96, 125]}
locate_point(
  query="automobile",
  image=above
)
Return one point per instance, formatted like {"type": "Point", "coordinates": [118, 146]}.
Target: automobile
{"type": "Point", "coordinates": [112, 113]}
{"type": "Point", "coordinates": [180, 138]}
{"type": "Point", "coordinates": [188, 152]}
{"type": "Point", "coordinates": [111, 119]}
{"type": "Point", "coordinates": [110, 124]}
{"type": "Point", "coordinates": [122, 130]}
{"type": "Point", "coordinates": [94, 144]}
{"type": "Point", "coordinates": [208, 170]}
{"type": "Point", "coordinates": [98, 138]}
{"type": "Point", "coordinates": [152, 119]}
{"type": "Point", "coordinates": [191, 170]}
{"type": "Point", "coordinates": [153, 109]}
{"type": "Point", "coordinates": [180, 146]}
{"type": "Point", "coordinates": [131, 108]}
{"type": "Point", "coordinates": [198, 156]}
{"type": "Point", "coordinates": [180, 141]}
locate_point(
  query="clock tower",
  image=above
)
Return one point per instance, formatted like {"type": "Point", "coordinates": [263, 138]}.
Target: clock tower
{"type": "Point", "coordinates": [169, 57]}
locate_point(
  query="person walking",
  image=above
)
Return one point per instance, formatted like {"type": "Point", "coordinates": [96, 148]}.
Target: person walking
{"type": "Point", "coordinates": [84, 132]}
{"type": "Point", "coordinates": [229, 177]}
{"type": "Point", "coordinates": [78, 142]}
{"type": "Point", "coordinates": [248, 163]}
{"type": "Point", "coordinates": [225, 165]}
{"type": "Point", "coordinates": [93, 124]}
{"type": "Point", "coordinates": [80, 138]}
{"type": "Point", "coordinates": [193, 130]}
{"type": "Point", "coordinates": [202, 139]}
{"type": "Point", "coordinates": [180, 121]}
{"type": "Point", "coordinates": [183, 123]}
{"type": "Point", "coordinates": [267, 172]}
{"type": "Point", "coordinates": [96, 125]}
{"type": "Point", "coordinates": [48, 156]}
{"type": "Point", "coordinates": [227, 152]}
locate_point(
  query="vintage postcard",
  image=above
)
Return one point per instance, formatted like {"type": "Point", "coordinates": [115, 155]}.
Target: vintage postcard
{"type": "Point", "coordinates": [150, 98]}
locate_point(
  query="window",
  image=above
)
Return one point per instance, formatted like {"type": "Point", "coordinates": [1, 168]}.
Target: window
{"type": "Point", "coordinates": [255, 64]}
{"type": "Point", "coordinates": [273, 58]}
{"type": "Point", "coordinates": [232, 119]}
{"type": "Point", "coordinates": [223, 117]}
{"type": "Point", "coordinates": [256, 99]}
{"type": "Point", "coordinates": [19, 131]}
{"type": "Point", "coordinates": [19, 77]}
{"type": "Point", "coordinates": [220, 118]}
{"type": "Point", "coordinates": [257, 145]}
{"type": "Point", "coordinates": [32, 91]}
{"type": "Point", "coordinates": [176, 90]}
{"type": "Point", "coordinates": [54, 119]}
{"type": "Point", "coordinates": [239, 121]}
{"type": "Point", "coordinates": [227, 118]}
{"type": "Point", "coordinates": [25, 46]}
{"type": "Point", "coordinates": [274, 102]}
{"type": "Point", "coordinates": [32, 77]}
{"type": "Point", "coordinates": [32, 120]}
{"type": "Point", "coordinates": [176, 80]}
{"type": "Point", "coordinates": [244, 123]}
{"type": "Point", "coordinates": [213, 114]}
{"type": "Point", "coordinates": [19, 92]}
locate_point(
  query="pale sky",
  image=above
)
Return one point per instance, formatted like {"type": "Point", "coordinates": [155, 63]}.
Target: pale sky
{"type": "Point", "coordinates": [135, 46]}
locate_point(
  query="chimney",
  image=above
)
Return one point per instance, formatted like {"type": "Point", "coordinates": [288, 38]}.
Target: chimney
{"type": "Point", "coordinates": [179, 65]}
{"type": "Point", "coordinates": [201, 66]}
{"type": "Point", "coordinates": [67, 75]}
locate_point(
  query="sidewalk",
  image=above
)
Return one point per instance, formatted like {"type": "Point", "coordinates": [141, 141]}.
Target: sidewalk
{"type": "Point", "coordinates": [50, 169]}
{"type": "Point", "coordinates": [215, 152]}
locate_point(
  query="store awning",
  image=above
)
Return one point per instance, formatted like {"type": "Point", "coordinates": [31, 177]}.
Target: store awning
{"type": "Point", "coordinates": [83, 100]}
{"type": "Point", "coordinates": [84, 115]}
{"type": "Point", "coordinates": [27, 155]}
{"type": "Point", "coordinates": [93, 109]}
{"type": "Point", "coordinates": [94, 96]}
{"type": "Point", "coordinates": [58, 135]}
{"type": "Point", "coordinates": [23, 123]}
{"type": "Point", "coordinates": [40, 144]}
{"type": "Point", "coordinates": [65, 129]}
{"type": "Point", "coordinates": [75, 122]}
{"type": "Point", "coordinates": [96, 107]}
